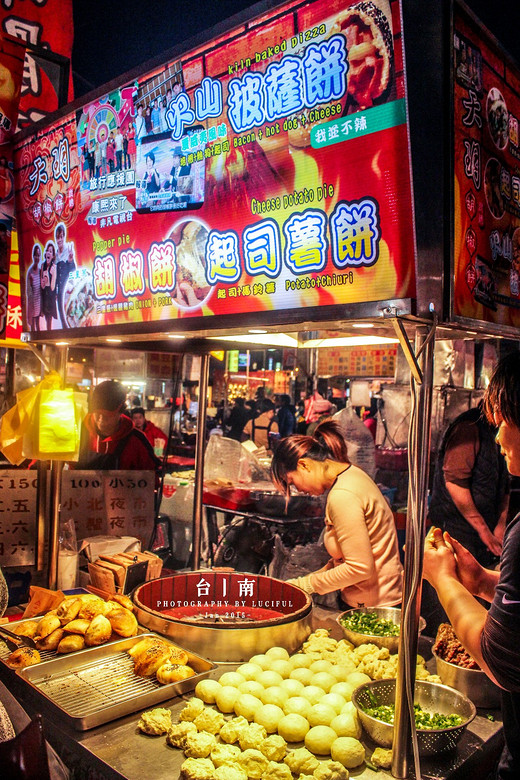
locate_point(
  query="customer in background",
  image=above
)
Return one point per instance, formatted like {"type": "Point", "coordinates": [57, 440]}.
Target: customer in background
{"type": "Point", "coordinates": [109, 439]}
{"type": "Point", "coordinates": [470, 494]}
{"type": "Point", "coordinates": [360, 534]}
{"type": "Point", "coordinates": [491, 637]}
{"type": "Point", "coordinates": [157, 438]}
{"type": "Point", "coordinates": [259, 428]}
{"type": "Point", "coordinates": [237, 419]}
{"type": "Point", "coordinates": [286, 416]}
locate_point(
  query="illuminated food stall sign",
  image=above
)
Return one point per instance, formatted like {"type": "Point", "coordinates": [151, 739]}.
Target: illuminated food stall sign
{"type": "Point", "coordinates": [265, 171]}
{"type": "Point", "coordinates": [486, 178]}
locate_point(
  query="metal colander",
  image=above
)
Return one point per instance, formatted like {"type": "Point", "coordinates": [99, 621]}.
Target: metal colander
{"type": "Point", "coordinates": [432, 697]}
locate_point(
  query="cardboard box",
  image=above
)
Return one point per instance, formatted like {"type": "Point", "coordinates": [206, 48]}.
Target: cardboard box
{"type": "Point", "coordinates": [94, 546]}
{"type": "Point", "coordinates": [122, 572]}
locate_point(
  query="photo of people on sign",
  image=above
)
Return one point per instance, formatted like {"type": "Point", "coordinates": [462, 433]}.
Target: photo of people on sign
{"type": "Point", "coordinates": [267, 171]}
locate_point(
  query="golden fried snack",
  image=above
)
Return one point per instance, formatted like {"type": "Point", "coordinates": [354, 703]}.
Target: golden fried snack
{"type": "Point", "coordinates": [178, 655]}
{"type": "Point", "coordinates": [123, 622]}
{"type": "Point", "coordinates": [51, 641]}
{"type": "Point", "coordinates": [78, 626]}
{"type": "Point", "coordinates": [151, 659]}
{"type": "Point", "coordinates": [24, 656]}
{"type": "Point", "coordinates": [91, 608]}
{"type": "Point", "coordinates": [71, 643]}
{"type": "Point", "coordinates": [98, 632]}
{"type": "Point", "coordinates": [168, 673]}
{"type": "Point", "coordinates": [124, 601]}
{"type": "Point", "coordinates": [30, 629]}
{"type": "Point", "coordinates": [143, 645]}
{"type": "Point", "coordinates": [68, 610]}
{"type": "Point", "coordinates": [47, 625]}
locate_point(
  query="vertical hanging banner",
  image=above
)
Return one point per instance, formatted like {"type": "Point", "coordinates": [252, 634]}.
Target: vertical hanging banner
{"type": "Point", "coordinates": [48, 25]}
{"type": "Point", "coordinates": [486, 136]}
{"type": "Point", "coordinates": [265, 171]}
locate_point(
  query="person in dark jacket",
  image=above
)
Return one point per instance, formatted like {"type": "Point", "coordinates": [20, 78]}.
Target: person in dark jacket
{"type": "Point", "coordinates": [109, 439]}
{"type": "Point", "coordinates": [471, 487]}
{"type": "Point", "coordinates": [286, 417]}
{"type": "Point", "coordinates": [237, 419]}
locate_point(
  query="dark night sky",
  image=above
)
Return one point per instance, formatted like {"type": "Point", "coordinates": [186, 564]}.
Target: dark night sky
{"type": "Point", "coordinates": [113, 37]}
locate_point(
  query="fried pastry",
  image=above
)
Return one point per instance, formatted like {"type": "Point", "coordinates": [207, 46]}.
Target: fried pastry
{"type": "Point", "coordinates": [24, 656]}
{"type": "Point", "coordinates": [29, 628]}
{"type": "Point", "coordinates": [51, 641]}
{"type": "Point", "coordinates": [71, 643]}
{"type": "Point", "coordinates": [47, 625]}
{"type": "Point", "coordinates": [123, 622]}
{"type": "Point", "coordinates": [136, 650]}
{"type": "Point", "coordinates": [98, 632]}
{"type": "Point", "coordinates": [168, 673]}
{"type": "Point", "coordinates": [151, 659]}
{"type": "Point", "coordinates": [124, 601]}
{"type": "Point", "coordinates": [78, 626]}
{"type": "Point", "coordinates": [178, 655]}
{"type": "Point", "coordinates": [91, 608]}
{"type": "Point", "coordinates": [68, 610]}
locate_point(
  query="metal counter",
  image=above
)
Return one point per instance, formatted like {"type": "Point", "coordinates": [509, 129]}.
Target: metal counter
{"type": "Point", "coordinates": [118, 751]}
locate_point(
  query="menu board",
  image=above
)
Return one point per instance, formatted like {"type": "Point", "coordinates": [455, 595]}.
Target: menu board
{"type": "Point", "coordinates": [267, 170]}
{"type": "Point", "coordinates": [18, 517]}
{"type": "Point", "coordinates": [357, 361]}
{"type": "Point", "coordinates": [486, 177]}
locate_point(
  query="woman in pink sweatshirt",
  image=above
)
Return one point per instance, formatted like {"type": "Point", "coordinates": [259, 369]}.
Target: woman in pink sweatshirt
{"type": "Point", "coordinates": [360, 534]}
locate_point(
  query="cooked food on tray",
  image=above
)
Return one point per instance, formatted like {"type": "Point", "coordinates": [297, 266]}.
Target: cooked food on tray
{"type": "Point", "coordinates": [498, 118]}
{"type": "Point", "coordinates": [24, 656]}
{"type": "Point", "coordinates": [154, 656]}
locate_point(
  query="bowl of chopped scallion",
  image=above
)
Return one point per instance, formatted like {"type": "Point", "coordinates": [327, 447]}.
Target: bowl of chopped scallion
{"type": "Point", "coordinates": [441, 714]}
{"type": "Point", "coordinates": [375, 625]}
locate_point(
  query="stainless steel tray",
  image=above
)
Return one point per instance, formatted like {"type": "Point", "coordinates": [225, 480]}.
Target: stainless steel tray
{"type": "Point", "coordinates": [98, 685]}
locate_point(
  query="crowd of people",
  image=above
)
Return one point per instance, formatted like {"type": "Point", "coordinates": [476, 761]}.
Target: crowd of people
{"type": "Point", "coordinates": [115, 150]}
{"type": "Point", "coordinates": [47, 279]}
{"type": "Point", "coordinates": [151, 117]}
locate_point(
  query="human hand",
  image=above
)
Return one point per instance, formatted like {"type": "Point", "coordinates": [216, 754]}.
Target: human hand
{"type": "Point", "coordinates": [439, 559]}
{"type": "Point", "coordinates": [492, 542]}
{"type": "Point", "coordinates": [469, 570]}
{"type": "Point", "coordinates": [302, 582]}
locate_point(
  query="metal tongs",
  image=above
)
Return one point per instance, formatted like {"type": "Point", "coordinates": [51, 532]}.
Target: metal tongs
{"type": "Point", "coordinates": [17, 639]}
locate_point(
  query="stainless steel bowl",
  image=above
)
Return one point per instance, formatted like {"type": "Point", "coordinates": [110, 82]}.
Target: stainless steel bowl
{"type": "Point", "coordinates": [432, 697]}
{"type": "Point", "coordinates": [473, 683]}
{"type": "Point", "coordinates": [384, 613]}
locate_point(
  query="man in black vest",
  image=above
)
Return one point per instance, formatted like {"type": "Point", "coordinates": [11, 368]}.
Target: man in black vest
{"type": "Point", "coordinates": [470, 494]}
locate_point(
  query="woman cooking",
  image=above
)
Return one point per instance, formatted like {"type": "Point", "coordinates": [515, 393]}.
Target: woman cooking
{"type": "Point", "coordinates": [360, 533]}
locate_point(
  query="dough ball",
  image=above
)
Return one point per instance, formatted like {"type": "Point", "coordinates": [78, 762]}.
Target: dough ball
{"type": "Point", "coordinates": [319, 740]}
{"type": "Point", "coordinates": [313, 693]}
{"type": "Point", "coordinates": [349, 709]}
{"type": "Point", "coordinates": [197, 769]}
{"type": "Point", "coordinates": [261, 660]}
{"type": "Point", "coordinates": [276, 771]}
{"type": "Point", "coordinates": [321, 714]}
{"type": "Point", "coordinates": [224, 754]}
{"type": "Point", "coordinates": [283, 668]}
{"type": "Point", "coordinates": [342, 670]}
{"type": "Point", "coordinates": [334, 700]}
{"type": "Point", "coordinates": [293, 727]}
{"type": "Point", "coordinates": [331, 770]}
{"type": "Point", "coordinates": [191, 709]}
{"type": "Point", "coordinates": [302, 674]}
{"type": "Point", "coordinates": [301, 761]}
{"type": "Point", "coordinates": [358, 678]}
{"type": "Point", "coordinates": [206, 690]}
{"type": "Point", "coordinates": [209, 720]}
{"type": "Point", "coordinates": [344, 689]}
{"type": "Point", "coordinates": [249, 671]}
{"type": "Point", "coordinates": [157, 721]}
{"type": "Point", "coordinates": [382, 757]}
{"type": "Point", "coordinates": [269, 716]}
{"type": "Point", "coordinates": [252, 737]}
{"type": "Point", "coordinates": [226, 698]}
{"type": "Point", "coordinates": [348, 751]}
{"type": "Point", "coordinates": [277, 654]}
{"type": "Point", "coordinates": [293, 687]}
{"type": "Point", "coordinates": [274, 747]}
{"type": "Point", "coordinates": [347, 725]}
{"type": "Point", "coordinates": [199, 744]}
{"type": "Point", "coordinates": [301, 661]}
{"type": "Point", "coordinates": [274, 695]}
{"type": "Point", "coordinates": [269, 679]}
{"type": "Point", "coordinates": [227, 772]}
{"type": "Point", "coordinates": [297, 705]}
{"type": "Point", "coordinates": [176, 736]}
{"type": "Point", "coordinates": [254, 763]}
{"type": "Point", "coordinates": [252, 687]}
{"type": "Point", "coordinates": [324, 680]}
{"type": "Point", "coordinates": [322, 666]}
{"type": "Point", "coordinates": [231, 678]}
{"type": "Point", "coordinates": [231, 730]}
{"type": "Point", "coordinates": [246, 705]}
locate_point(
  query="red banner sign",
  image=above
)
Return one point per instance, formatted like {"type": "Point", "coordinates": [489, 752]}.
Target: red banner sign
{"type": "Point", "coordinates": [266, 171]}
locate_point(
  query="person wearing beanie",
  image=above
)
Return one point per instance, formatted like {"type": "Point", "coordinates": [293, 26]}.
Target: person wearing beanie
{"type": "Point", "coordinates": [109, 439]}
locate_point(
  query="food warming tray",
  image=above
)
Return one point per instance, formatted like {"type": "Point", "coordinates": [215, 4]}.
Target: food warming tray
{"type": "Point", "coordinates": [98, 685]}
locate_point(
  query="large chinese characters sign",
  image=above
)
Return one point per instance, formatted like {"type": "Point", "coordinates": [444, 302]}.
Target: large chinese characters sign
{"type": "Point", "coordinates": [267, 171]}
{"type": "Point", "coordinates": [486, 179]}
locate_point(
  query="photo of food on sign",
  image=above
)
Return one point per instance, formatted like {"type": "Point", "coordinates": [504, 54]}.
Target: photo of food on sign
{"type": "Point", "coordinates": [271, 175]}
{"type": "Point", "coordinates": [498, 118]}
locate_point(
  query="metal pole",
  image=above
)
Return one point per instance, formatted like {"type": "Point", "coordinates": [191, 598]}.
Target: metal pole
{"type": "Point", "coordinates": [60, 361]}
{"type": "Point", "coordinates": [199, 462]}
{"type": "Point", "coordinates": [418, 461]}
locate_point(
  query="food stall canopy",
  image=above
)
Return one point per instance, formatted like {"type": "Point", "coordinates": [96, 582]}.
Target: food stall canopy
{"type": "Point", "coordinates": [259, 175]}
